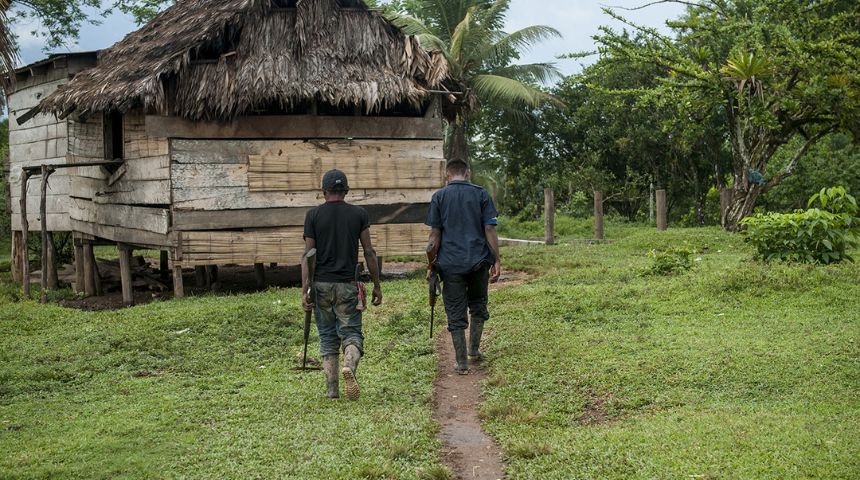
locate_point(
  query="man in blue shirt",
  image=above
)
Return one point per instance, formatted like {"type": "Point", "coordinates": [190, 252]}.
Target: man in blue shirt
{"type": "Point", "coordinates": [463, 236]}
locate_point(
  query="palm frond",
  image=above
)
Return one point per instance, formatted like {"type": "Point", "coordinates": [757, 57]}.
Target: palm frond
{"type": "Point", "coordinates": [460, 36]}
{"type": "Point", "coordinates": [531, 72]}
{"type": "Point", "coordinates": [525, 38]}
{"type": "Point", "coordinates": [8, 49]}
{"type": "Point", "coordinates": [408, 24]}
{"type": "Point", "coordinates": [505, 91]}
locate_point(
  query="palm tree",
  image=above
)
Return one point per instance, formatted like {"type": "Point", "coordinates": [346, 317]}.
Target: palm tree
{"type": "Point", "coordinates": [469, 34]}
{"type": "Point", "coordinates": [8, 51]}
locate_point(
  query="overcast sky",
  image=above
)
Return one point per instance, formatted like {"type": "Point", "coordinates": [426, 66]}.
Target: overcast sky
{"type": "Point", "coordinates": [577, 20]}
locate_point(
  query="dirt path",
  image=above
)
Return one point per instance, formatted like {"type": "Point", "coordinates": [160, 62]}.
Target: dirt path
{"type": "Point", "coordinates": [466, 449]}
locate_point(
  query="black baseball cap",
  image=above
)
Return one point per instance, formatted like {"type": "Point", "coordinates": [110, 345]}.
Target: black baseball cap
{"type": "Point", "coordinates": [334, 180]}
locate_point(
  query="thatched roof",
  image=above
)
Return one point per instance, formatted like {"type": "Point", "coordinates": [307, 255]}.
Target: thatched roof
{"type": "Point", "coordinates": [218, 59]}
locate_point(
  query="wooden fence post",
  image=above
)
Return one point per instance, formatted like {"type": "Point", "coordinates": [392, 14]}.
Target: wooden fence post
{"type": "Point", "coordinates": [598, 215]}
{"type": "Point", "coordinates": [549, 216]}
{"type": "Point", "coordinates": [662, 211]}
{"type": "Point", "coordinates": [163, 265]}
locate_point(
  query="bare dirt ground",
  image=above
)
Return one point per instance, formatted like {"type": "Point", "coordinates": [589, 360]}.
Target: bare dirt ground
{"type": "Point", "coordinates": [467, 450]}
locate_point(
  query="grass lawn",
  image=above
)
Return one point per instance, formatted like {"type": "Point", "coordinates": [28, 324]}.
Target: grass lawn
{"type": "Point", "coordinates": [730, 370]}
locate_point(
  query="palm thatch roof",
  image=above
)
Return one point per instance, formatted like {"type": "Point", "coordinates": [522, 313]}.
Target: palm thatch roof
{"type": "Point", "coordinates": [219, 59]}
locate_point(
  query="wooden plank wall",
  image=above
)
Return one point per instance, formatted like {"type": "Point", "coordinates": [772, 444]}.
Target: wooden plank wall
{"type": "Point", "coordinates": [139, 200]}
{"type": "Point", "coordinates": [261, 174]}
{"type": "Point", "coordinates": [285, 245]}
{"type": "Point", "coordinates": [40, 141]}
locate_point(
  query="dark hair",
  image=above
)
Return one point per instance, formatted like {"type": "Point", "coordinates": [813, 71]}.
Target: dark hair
{"type": "Point", "coordinates": [457, 166]}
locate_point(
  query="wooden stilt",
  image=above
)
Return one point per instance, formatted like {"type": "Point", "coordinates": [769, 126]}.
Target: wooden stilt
{"type": "Point", "coordinates": [125, 253]}
{"type": "Point", "coordinates": [200, 276]}
{"type": "Point", "coordinates": [97, 277]}
{"type": "Point", "coordinates": [25, 230]}
{"type": "Point", "coordinates": [18, 254]}
{"type": "Point", "coordinates": [212, 274]}
{"type": "Point", "coordinates": [53, 281]}
{"type": "Point", "coordinates": [260, 274]}
{"type": "Point", "coordinates": [163, 265]}
{"type": "Point", "coordinates": [43, 220]}
{"type": "Point", "coordinates": [178, 287]}
{"type": "Point", "coordinates": [89, 269]}
{"type": "Point", "coordinates": [79, 265]}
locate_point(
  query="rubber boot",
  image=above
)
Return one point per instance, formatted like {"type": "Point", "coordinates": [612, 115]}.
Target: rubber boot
{"type": "Point", "coordinates": [458, 337]}
{"type": "Point", "coordinates": [351, 356]}
{"type": "Point", "coordinates": [330, 364]}
{"type": "Point", "coordinates": [476, 329]}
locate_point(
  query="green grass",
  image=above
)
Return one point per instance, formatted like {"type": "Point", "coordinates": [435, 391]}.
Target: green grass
{"type": "Point", "coordinates": [203, 388]}
{"type": "Point", "coordinates": [733, 369]}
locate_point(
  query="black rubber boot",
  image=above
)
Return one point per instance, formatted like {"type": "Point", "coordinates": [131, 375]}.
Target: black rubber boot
{"type": "Point", "coordinates": [476, 329]}
{"type": "Point", "coordinates": [458, 337]}
{"type": "Point", "coordinates": [351, 356]}
{"type": "Point", "coordinates": [330, 365]}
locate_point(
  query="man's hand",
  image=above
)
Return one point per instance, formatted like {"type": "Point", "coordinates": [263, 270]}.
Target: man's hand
{"type": "Point", "coordinates": [306, 301]}
{"type": "Point", "coordinates": [496, 271]}
{"type": "Point", "coordinates": [377, 295]}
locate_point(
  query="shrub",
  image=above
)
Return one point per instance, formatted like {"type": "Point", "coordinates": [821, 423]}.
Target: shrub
{"type": "Point", "coordinates": [817, 235]}
{"type": "Point", "coordinates": [671, 260]}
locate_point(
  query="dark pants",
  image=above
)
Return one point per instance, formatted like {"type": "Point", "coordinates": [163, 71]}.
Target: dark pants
{"type": "Point", "coordinates": [462, 291]}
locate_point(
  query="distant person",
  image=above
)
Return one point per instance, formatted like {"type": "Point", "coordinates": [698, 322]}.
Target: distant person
{"type": "Point", "coordinates": [335, 229]}
{"type": "Point", "coordinates": [463, 236]}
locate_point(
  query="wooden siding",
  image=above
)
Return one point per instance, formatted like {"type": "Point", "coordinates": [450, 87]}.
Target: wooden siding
{"type": "Point", "coordinates": [39, 141]}
{"type": "Point", "coordinates": [146, 180]}
{"type": "Point", "coordinates": [285, 245]}
{"type": "Point", "coordinates": [216, 174]}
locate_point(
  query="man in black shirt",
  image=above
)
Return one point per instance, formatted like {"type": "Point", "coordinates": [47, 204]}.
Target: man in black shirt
{"type": "Point", "coordinates": [335, 229]}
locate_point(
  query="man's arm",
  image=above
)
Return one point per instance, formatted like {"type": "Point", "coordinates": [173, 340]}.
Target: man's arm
{"type": "Point", "coordinates": [372, 265]}
{"type": "Point", "coordinates": [307, 302]}
{"type": "Point", "coordinates": [493, 242]}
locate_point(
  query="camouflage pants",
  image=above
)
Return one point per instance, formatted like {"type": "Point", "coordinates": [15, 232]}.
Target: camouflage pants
{"type": "Point", "coordinates": [338, 321]}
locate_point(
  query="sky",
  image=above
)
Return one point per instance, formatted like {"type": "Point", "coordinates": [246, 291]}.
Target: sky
{"type": "Point", "coordinates": [577, 20]}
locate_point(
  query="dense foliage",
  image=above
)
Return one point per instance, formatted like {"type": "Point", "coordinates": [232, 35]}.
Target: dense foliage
{"type": "Point", "coordinates": [824, 234]}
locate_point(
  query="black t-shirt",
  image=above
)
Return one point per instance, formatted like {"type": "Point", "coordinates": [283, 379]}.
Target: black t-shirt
{"type": "Point", "coordinates": [336, 227]}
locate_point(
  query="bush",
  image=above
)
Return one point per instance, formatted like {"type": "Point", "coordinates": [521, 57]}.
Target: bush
{"type": "Point", "coordinates": [817, 235]}
{"type": "Point", "coordinates": [671, 260]}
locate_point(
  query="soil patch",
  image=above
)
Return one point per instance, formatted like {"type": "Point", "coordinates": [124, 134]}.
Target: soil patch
{"type": "Point", "coordinates": [467, 450]}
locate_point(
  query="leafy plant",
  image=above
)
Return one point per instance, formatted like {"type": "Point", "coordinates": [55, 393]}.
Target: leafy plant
{"type": "Point", "coordinates": [817, 235]}
{"type": "Point", "coordinates": [671, 260]}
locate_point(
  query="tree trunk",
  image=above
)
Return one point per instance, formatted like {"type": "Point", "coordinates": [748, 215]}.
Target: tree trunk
{"type": "Point", "coordinates": [598, 215]}
{"type": "Point", "coordinates": [456, 141]}
{"type": "Point", "coordinates": [741, 205]}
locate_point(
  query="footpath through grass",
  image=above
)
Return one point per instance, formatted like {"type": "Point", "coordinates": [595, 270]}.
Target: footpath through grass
{"type": "Point", "coordinates": [731, 370]}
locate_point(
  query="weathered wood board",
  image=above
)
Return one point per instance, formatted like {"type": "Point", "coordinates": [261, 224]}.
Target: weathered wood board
{"type": "Point", "coordinates": [155, 220]}
{"type": "Point", "coordinates": [285, 245]}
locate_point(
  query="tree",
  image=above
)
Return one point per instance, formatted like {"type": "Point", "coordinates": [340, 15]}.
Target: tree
{"type": "Point", "coordinates": [60, 21]}
{"type": "Point", "coordinates": [469, 34]}
{"type": "Point", "coordinates": [778, 69]}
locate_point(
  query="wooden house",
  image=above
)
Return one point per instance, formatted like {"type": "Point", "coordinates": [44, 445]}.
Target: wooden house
{"type": "Point", "coordinates": [205, 133]}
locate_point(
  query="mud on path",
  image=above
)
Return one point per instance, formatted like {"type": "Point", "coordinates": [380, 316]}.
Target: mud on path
{"type": "Point", "coordinates": [466, 449]}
